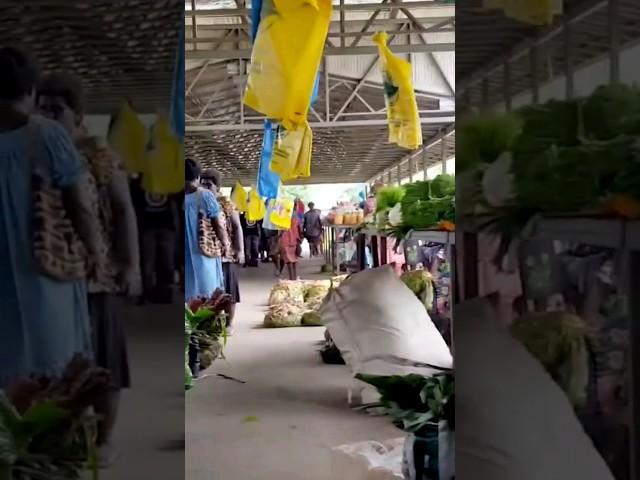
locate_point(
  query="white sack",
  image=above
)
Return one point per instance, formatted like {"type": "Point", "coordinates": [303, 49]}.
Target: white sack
{"type": "Point", "coordinates": [373, 315]}
{"type": "Point", "coordinates": [512, 420]}
{"type": "Point", "coordinates": [368, 461]}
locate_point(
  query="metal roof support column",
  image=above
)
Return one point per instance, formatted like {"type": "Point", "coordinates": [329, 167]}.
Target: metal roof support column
{"type": "Point", "coordinates": [485, 94]}
{"type": "Point", "coordinates": [443, 152]}
{"type": "Point", "coordinates": [194, 26]}
{"type": "Point", "coordinates": [535, 77]}
{"type": "Point", "coordinates": [425, 162]}
{"type": "Point", "coordinates": [568, 59]}
{"type": "Point", "coordinates": [398, 179]}
{"type": "Point", "coordinates": [411, 169]}
{"type": "Point", "coordinates": [506, 85]}
{"type": "Point", "coordinates": [614, 41]}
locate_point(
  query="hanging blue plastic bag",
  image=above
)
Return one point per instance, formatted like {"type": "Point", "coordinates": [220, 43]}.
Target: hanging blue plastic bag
{"type": "Point", "coordinates": [256, 12]}
{"type": "Point", "coordinates": [268, 182]}
{"type": "Point", "coordinates": [316, 90]}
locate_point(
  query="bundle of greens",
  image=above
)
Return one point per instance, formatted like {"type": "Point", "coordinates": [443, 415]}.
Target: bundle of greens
{"type": "Point", "coordinates": [46, 430]}
{"type": "Point", "coordinates": [388, 197]}
{"type": "Point", "coordinates": [413, 401]}
{"type": "Point", "coordinates": [481, 139]}
{"type": "Point", "coordinates": [558, 340]}
{"type": "Point", "coordinates": [206, 323]}
{"type": "Point", "coordinates": [420, 282]}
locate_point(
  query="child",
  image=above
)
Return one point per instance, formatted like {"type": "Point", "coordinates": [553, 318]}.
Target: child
{"type": "Point", "coordinates": [289, 241]}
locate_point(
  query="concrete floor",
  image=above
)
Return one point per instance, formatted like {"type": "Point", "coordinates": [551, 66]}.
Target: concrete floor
{"type": "Point", "coordinates": [281, 423]}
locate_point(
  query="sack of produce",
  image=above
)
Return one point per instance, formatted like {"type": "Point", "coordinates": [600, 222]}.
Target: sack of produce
{"type": "Point", "coordinates": [287, 291]}
{"type": "Point", "coordinates": [506, 402]}
{"type": "Point", "coordinates": [284, 315]}
{"type": "Point", "coordinates": [311, 319]}
{"type": "Point", "coordinates": [368, 461]}
{"type": "Point", "coordinates": [372, 315]}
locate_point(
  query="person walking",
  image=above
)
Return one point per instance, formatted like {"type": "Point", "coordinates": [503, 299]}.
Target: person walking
{"type": "Point", "coordinates": [313, 229]}
{"type": "Point", "coordinates": [45, 319]}
{"type": "Point", "coordinates": [252, 233]}
{"type": "Point", "coordinates": [211, 181]}
{"type": "Point", "coordinates": [61, 98]}
{"type": "Point", "coordinates": [289, 242]}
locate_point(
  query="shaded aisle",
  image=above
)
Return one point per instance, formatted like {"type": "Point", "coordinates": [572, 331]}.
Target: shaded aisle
{"type": "Point", "coordinates": [295, 404]}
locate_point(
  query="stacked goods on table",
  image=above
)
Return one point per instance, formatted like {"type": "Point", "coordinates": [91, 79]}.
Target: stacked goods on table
{"type": "Point", "coordinates": [296, 303]}
{"type": "Point", "coordinates": [571, 157]}
{"type": "Point", "coordinates": [420, 205]}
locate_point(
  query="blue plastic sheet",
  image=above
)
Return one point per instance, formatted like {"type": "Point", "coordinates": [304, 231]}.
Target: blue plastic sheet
{"type": "Point", "coordinates": [268, 182]}
{"type": "Point", "coordinates": [256, 10]}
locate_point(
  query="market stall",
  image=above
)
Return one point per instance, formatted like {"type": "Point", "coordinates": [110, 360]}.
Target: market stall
{"type": "Point", "coordinates": [551, 201]}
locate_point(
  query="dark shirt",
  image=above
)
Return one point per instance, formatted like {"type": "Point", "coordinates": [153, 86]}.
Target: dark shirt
{"type": "Point", "coordinates": [249, 228]}
{"type": "Point", "coordinates": [154, 211]}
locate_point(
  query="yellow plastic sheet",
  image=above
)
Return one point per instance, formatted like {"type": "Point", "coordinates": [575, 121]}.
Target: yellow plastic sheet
{"type": "Point", "coordinates": [402, 109]}
{"type": "Point", "coordinates": [256, 207]}
{"type": "Point", "coordinates": [292, 153]}
{"type": "Point", "coordinates": [128, 137]}
{"type": "Point", "coordinates": [286, 57]}
{"type": "Point", "coordinates": [281, 212]}
{"type": "Point", "coordinates": [536, 12]}
{"type": "Point", "coordinates": [239, 197]}
{"type": "Point", "coordinates": [164, 173]}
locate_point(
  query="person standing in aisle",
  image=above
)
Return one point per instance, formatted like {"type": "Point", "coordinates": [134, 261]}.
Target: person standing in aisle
{"type": "Point", "coordinates": [60, 97]}
{"type": "Point", "coordinates": [313, 229]}
{"type": "Point", "coordinates": [203, 274]}
{"type": "Point", "coordinates": [211, 181]}
{"type": "Point", "coordinates": [45, 320]}
{"type": "Point", "coordinates": [252, 233]}
{"type": "Point", "coordinates": [158, 220]}
{"type": "Point", "coordinates": [289, 241]}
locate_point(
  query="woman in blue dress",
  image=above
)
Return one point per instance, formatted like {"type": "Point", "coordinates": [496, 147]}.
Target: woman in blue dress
{"type": "Point", "coordinates": [203, 275]}
{"type": "Point", "coordinates": [45, 322]}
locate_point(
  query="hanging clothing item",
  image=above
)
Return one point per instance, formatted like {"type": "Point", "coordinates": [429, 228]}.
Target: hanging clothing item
{"type": "Point", "coordinates": [165, 161]}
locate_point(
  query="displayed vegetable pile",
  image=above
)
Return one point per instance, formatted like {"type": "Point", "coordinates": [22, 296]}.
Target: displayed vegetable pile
{"type": "Point", "coordinates": [558, 340]}
{"type": "Point", "coordinates": [413, 402]}
{"type": "Point", "coordinates": [46, 428]}
{"type": "Point", "coordinates": [420, 282]}
{"type": "Point", "coordinates": [579, 156]}
{"type": "Point", "coordinates": [296, 303]}
{"type": "Point", "coordinates": [205, 322]}
{"type": "Point", "coordinates": [420, 205]}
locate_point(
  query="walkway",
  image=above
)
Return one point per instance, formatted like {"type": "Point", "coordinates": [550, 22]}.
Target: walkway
{"type": "Point", "coordinates": [281, 423]}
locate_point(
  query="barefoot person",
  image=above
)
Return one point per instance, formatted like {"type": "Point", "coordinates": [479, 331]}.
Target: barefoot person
{"type": "Point", "coordinates": [313, 229]}
{"type": "Point", "coordinates": [289, 244]}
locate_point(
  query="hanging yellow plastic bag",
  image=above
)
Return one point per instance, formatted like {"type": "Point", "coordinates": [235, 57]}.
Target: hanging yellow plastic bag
{"type": "Point", "coordinates": [280, 213]}
{"type": "Point", "coordinates": [164, 172]}
{"type": "Point", "coordinates": [128, 137]}
{"type": "Point", "coordinates": [536, 12]}
{"type": "Point", "coordinates": [286, 151]}
{"type": "Point", "coordinates": [286, 57]}
{"type": "Point", "coordinates": [239, 197]}
{"type": "Point", "coordinates": [303, 164]}
{"type": "Point", "coordinates": [400, 99]}
{"type": "Point", "coordinates": [256, 208]}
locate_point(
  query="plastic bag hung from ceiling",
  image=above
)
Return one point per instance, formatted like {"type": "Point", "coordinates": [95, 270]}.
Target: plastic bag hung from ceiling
{"type": "Point", "coordinates": [286, 57]}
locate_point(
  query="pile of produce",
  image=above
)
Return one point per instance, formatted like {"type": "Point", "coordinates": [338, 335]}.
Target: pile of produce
{"type": "Point", "coordinates": [558, 340]}
{"type": "Point", "coordinates": [296, 303]}
{"type": "Point", "coordinates": [205, 323]}
{"type": "Point", "coordinates": [46, 430]}
{"type": "Point", "coordinates": [420, 282]}
{"type": "Point", "coordinates": [579, 156]}
{"type": "Point", "coordinates": [417, 206]}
